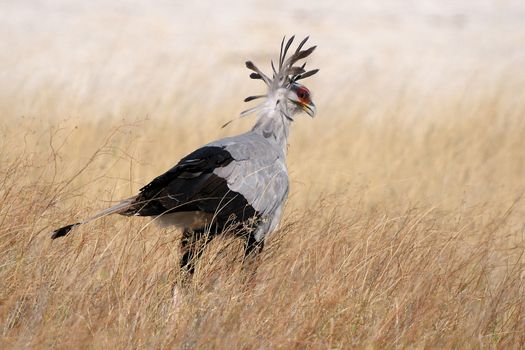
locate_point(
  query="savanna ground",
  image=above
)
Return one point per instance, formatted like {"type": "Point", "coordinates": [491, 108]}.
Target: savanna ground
{"type": "Point", "coordinates": [405, 224]}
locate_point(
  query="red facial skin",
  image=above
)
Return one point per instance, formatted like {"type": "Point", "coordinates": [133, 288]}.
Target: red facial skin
{"type": "Point", "coordinates": [303, 94]}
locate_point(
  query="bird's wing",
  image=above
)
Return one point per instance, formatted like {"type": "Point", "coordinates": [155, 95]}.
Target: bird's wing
{"type": "Point", "coordinates": [192, 185]}
{"type": "Point", "coordinates": [246, 166]}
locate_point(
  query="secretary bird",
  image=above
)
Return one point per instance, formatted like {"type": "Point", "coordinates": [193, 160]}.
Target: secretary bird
{"type": "Point", "coordinates": [237, 184]}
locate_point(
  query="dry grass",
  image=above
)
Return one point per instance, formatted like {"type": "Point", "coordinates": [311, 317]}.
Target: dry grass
{"type": "Point", "coordinates": [404, 229]}
{"type": "Point", "coordinates": [397, 234]}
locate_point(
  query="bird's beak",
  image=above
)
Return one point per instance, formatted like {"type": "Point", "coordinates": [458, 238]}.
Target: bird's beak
{"type": "Point", "coordinates": [309, 108]}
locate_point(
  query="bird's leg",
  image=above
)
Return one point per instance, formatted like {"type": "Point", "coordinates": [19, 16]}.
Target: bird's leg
{"type": "Point", "coordinates": [192, 246]}
{"type": "Point", "coordinates": [251, 261]}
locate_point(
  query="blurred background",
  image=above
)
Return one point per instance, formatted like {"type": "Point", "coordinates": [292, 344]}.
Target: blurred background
{"type": "Point", "coordinates": [161, 58]}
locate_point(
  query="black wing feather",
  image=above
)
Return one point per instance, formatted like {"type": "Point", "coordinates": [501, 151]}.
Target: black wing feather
{"type": "Point", "coordinates": [191, 186]}
{"type": "Point", "coordinates": [205, 159]}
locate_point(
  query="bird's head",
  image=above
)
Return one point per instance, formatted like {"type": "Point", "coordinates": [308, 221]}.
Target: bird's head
{"type": "Point", "coordinates": [285, 94]}
{"type": "Point", "coordinates": [300, 99]}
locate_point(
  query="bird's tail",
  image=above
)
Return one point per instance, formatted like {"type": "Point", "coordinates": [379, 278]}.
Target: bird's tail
{"type": "Point", "coordinates": [116, 209]}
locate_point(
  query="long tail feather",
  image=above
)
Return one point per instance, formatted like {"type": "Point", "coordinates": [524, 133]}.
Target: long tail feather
{"type": "Point", "coordinates": [116, 209]}
{"type": "Point", "coordinates": [63, 231]}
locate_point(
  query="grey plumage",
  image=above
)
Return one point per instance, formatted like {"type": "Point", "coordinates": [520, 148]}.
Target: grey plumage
{"type": "Point", "coordinates": [237, 183]}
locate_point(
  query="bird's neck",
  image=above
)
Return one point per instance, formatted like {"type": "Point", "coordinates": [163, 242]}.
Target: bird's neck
{"type": "Point", "coordinates": [274, 126]}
